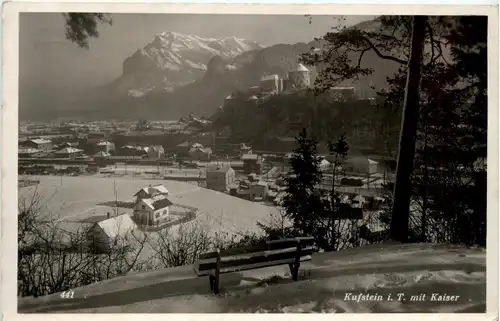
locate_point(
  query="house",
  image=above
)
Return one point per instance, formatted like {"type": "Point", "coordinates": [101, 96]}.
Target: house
{"type": "Point", "coordinates": [270, 83]}
{"type": "Point", "coordinates": [324, 165]}
{"type": "Point", "coordinates": [132, 150]}
{"type": "Point", "coordinates": [244, 149]}
{"type": "Point", "coordinates": [252, 163]}
{"type": "Point", "coordinates": [102, 155]}
{"type": "Point", "coordinates": [30, 152]}
{"type": "Point", "coordinates": [113, 231]}
{"type": "Point", "coordinates": [360, 164]}
{"type": "Point", "coordinates": [258, 190]}
{"type": "Point", "coordinates": [68, 144]}
{"type": "Point", "coordinates": [200, 153]}
{"type": "Point", "coordinates": [156, 152]}
{"type": "Point", "coordinates": [152, 211]}
{"type": "Point", "coordinates": [69, 152]}
{"type": "Point", "coordinates": [183, 148]}
{"type": "Point", "coordinates": [151, 191]}
{"type": "Point", "coordinates": [105, 146]}
{"type": "Point", "coordinates": [220, 177]}
{"type": "Point", "coordinates": [40, 144]}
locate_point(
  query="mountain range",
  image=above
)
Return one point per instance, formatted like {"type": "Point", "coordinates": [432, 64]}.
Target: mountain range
{"type": "Point", "coordinates": [177, 74]}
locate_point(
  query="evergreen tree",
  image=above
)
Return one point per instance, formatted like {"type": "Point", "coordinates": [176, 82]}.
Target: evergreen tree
{"type": "Point", "coordinates": [305, 204]}
{"type": "Point", "coordinates": [82, 26]}
{"type": "Point", "coordinates": [449, 178]}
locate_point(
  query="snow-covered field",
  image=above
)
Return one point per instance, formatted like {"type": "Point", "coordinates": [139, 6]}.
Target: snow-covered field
{"type": "Point", "coordinates": [331, 282]}
{"type": "Point", "coordinates": [75, 198]}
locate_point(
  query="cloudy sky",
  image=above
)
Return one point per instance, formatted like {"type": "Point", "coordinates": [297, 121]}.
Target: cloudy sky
{"type": "Point", "coordinates": [49, 62]}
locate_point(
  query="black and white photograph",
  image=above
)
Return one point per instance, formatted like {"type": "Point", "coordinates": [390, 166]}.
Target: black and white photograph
{"type": "Point", "coordinates": [287, 162]}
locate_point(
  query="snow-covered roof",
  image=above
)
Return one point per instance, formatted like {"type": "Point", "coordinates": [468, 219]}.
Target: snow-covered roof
{"type": "Point", "coordinates": [102, 154]}
{"type": "Point", "coordinates": [361, 160]}
{"type": "Point", "coordinates": [40, 141]}
{"type": "Point", "coordinates": [197, 145]}
{"type": "Point", "coordinates": [301, 67]}
{"type": "Point", "coordinates": [69, 150]}
{"type": "Point", "coordinates": [154, 190]}
{"type": "Point", "coordinates": [253, 97]}
{"type": "Point", "coordinates": [206, 150]}
{"type": "Point", "coordinates": [215, 168]}
{"type": "Point", "coordinates": [269, 77]}
{"type": "Point", "coordinates": [117, 226]}
{"type": "Point", "coordinates": [249, 156]}
{"type": "Point", "coordinates": [28, 151]}
{"type": "Point", "coordinates": [156, 147]}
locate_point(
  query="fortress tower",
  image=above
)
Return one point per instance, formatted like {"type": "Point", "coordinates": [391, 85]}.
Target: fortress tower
{"type": "Point", "coordinates": [300, 78]}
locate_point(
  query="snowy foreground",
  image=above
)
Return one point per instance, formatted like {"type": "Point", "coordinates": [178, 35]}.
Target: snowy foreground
{"type": "Point", "coordinates": [374, 278]}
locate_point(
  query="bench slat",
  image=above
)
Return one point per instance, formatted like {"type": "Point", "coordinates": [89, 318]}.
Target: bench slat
{"type": "Point", "coordinates": [252, 266]}
{"type": "Point", "coordinates": [268, 245]}
{"type": "Point", "coordinates": [268, 256]}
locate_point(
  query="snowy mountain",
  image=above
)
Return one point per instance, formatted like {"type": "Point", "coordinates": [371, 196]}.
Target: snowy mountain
{"type": "Point", "coordinates": [173, 59]}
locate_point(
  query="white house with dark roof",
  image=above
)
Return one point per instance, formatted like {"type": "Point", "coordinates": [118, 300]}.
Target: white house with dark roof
{"type": "Point", "coordinates": [152, 211]}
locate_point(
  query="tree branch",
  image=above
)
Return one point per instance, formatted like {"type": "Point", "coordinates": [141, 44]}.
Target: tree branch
{"type": "Point", "coordinates": [387, 57]}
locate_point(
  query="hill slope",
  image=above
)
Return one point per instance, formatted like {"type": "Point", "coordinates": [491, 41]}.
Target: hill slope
{"type": "Point", "coordinates": [375, 269]}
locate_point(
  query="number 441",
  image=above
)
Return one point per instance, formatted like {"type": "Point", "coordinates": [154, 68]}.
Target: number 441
{"type": "Point", "coordinates": [67, 294]}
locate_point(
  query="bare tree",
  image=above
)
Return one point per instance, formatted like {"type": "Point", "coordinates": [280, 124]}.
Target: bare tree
{"type": "Point", "coordinates": [181, 245]}
{"type": "Point", "coordinates": [53, 257]}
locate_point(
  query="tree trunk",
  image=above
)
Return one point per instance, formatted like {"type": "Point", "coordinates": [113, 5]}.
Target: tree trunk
{"type": "Point", "coordinates": [406, 154]}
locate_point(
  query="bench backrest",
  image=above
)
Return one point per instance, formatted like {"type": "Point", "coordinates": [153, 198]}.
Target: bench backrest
{"type": "Point", "coordinates": [264, 254]}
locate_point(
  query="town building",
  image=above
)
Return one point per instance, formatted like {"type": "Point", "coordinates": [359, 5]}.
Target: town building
{"type": "Point", "coordinates": [258, 190]}
{"type": "Point", "coordinates": [151, 191]}
{"type": "Point", "coordinates": [253, 190]}
{"type": "Point", "coordinates": [156, 152]}
{"type": "Point", "coordinates": [30, 152]}
{"type": "Point", "coordinates": [300, 77]}
{"type": "Point", "coordinates": [132, 150]}
{"type": "Point", "coordinates": [152, 211]}
{"type": "Point", "coordinates": [343, 93]}
{"type": "Point", "coordinates": [220, 177]}
{"type": "Point", "coordinates": [270, 83]}
{"type": "Point", "coordinates": [105, 146]}
{"type": "Point", "coordinates": [360, 164]}
{"type": "Point", "coordinates": [40, 144]}
{"type": "Point", "coordinates": [69, 152]}
{"type": "Point", "coordinates": [252, 163]}
{"type": "Point", "coordinates": [245, 149]}
{"type": "Point", "coordinates": [102, 155]}
{"type": "Point", "coordinates": [111, 232]}
{"type": "Point", "coordinates": [200, 153]}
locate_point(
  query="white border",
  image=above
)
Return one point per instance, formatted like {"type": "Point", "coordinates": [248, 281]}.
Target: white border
{"type": "Point", "coordinates": [9, 136]}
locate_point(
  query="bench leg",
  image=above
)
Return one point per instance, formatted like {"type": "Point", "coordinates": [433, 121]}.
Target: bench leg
{"type": "Point", "coordinates": [212, 282]}
{"type": "Point", "coordinates": [294, 270]}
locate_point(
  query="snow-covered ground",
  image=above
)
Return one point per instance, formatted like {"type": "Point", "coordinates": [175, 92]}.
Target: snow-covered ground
{"type": "Point", "coordinates": [75, 198]}
{"type": "Point", "coordinates": [331, 282]}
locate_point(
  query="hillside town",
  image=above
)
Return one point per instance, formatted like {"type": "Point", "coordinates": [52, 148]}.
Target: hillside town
{"type": "Point", "coordinates": [207, 172]}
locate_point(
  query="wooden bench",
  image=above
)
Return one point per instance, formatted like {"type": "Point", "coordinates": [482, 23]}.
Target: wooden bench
{"type": "Point", "coordinates": [270, 253]}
